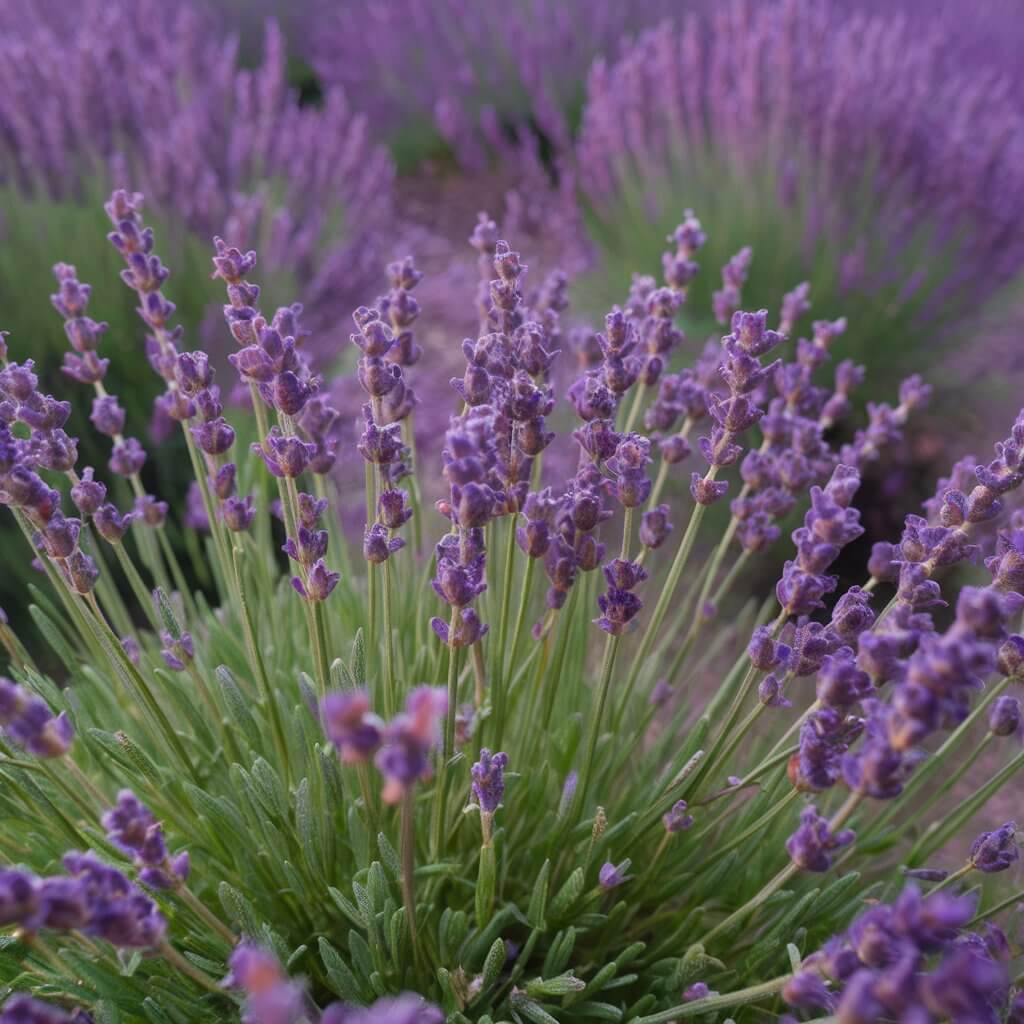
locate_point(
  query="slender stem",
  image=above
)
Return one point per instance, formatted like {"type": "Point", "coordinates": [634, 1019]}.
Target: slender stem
{"type": "Point", "coordinates": [479, 674]}
{"type": "Point", "coordinates": [390, 690]}
{"type": "Point", "coordinates": [499, 684]}
{"type": "Point", "coordinates": [634, 409]}
{"type": "Point", "coordinates": [524, 603]}
{"type": "Point", "coordinates": [408, 844]}
{"type": "Point", "coordinates": [952, 877]}
{"type": "Point", "coordinates": [176, 960]}
{"type": "Point", "coordinates": [172, 561]}
{"type": "Point", "coordinates": [597, 714]}
{"type": "Point", "coordinates": [205, 914]}
{"type": "Point", "coordinates": [666, 595]}
{"type": "Point", "coordinates": [753, 903]}
{"type": "Point", "coordinates": [85, 782]}
{"type": "Point", "coordinates": [713, 1003]}
{"type": "Point", "coordinates": [259, 667]}
{"type": "Point", "coordinates": [453, 689]}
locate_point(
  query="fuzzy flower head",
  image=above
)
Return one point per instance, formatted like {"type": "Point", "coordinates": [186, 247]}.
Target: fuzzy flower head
{"type": "Point", "coordinates": [350, 725]}
{"type": "Point", "coordinates": [996, 850]}
{"type": "Point", "coordinates": [408, 740]}
{"type": "Point", "coordinates": [489, 780]}
{"type": "Point", "coordinates": [29, 723]}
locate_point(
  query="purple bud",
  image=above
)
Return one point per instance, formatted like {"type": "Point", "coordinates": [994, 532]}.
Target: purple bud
{"type": "Point", "coordinates": [1004, 717]}
{"type": "Point", "coordinates": [107, 415]}
{"type": "Point", "coordinates": [88, 494]}
{"type": "Point", "coordinates": [613, 875]}
{"type": "Point", "coordinates": [489, 780]}
{"type": "Point", "coordinates": [655, 526]}
{"type": "Point", "coordinates": [997, 850]}
{"type": "Point", "coordinates": [676, 819]}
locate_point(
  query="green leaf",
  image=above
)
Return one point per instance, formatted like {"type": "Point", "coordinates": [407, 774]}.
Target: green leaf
{"type": "Point", "coordinates": [238, 706]}
{"type": "Point", "coordinates": [563, 985]}
{"type": "Point", "coordinates": [494, 962]}
{"type": "Point", "coordinates": [238, 909]}
{"type": "Point", "coordinates": [346, 907]}
{"type": "Point", "coordinates": [54, 638]}
{"type": "Point", "coordinates": [167, 616]}
{"type": "Point", "coordinates": [539, 898]}
{"type": "Point", "coordinates": [389, 856]}
{"type": "Point", "coordinates": [343, 981]}
{"type": "Point", "coordinates": [341, 678]}
{"type": "Point", "coordinates": [568, 894]}
{"type": "Point", "coordinates": [558, 955]}
{"type": "Point", "coordinates": [531, 1011]}
{"type": "Point", "coordinates": [357, 664]}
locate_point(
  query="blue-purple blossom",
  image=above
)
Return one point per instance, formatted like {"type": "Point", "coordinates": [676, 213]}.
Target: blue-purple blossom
{"type": "Point", "coordinates": [29, 723]}
{"type": "Point", "coordinates": [350, 725]}
{"type": "Point", "coordinates": [132, 828]}
{"type": "Point", "coordinates": [403, 1009]}
{"type": "Point", "coordinates": [611, 876]}
{"type": "Point", "coordinates": [270, 995]}
{"type": "Point", "coordinates": [812, 844]}
{"type": "Point", "coordinates": [408, 740]}
{"type": "Point", "coordinates": [489, 780]}
{"type": "Point", "coordinates": [996, 850]}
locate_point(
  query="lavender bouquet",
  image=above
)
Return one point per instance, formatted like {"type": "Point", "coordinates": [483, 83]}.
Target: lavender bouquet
{"type": "Point", "coordinates": [460, 772]}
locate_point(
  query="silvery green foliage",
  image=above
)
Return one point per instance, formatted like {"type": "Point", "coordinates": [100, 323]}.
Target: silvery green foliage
{"type": "Point", "coordinates": [331, 791]}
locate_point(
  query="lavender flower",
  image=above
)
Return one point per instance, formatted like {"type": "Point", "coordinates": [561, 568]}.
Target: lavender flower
{"type": "Point", "coordinates": [269, 994]}
{"type": "Point", "coordinates": [997, 850]}
{"type": "Point", "coordinates": [489, 780]}
{"type": "Point", "coordinates": [676, 819]}
{"type": "Point", "coordinates": [132, 828]}
{"type": "Point", "coordinates": [350, 725]}
{"type": "Point", "coordinates": [403, 1009]}
{"type": "Point", "coordinates": [28, 722]}
{"type": "Point", "coordinates": [812, 844]}
{"type": "Point", "coordinates": [611, 876]}
{"type": "Point", "coordinates": [408, 740]}
{"type": "Point", "coordinates": [23, 1009]}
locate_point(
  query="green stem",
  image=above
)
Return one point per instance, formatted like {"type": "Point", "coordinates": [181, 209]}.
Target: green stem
{"type": "Point", "coordinates": [390, 693]}
{"type": "Point", "coordinates": [524, 603]}
{"type": "Point", "coordinates": [499, 684]}
{"type": "Point", "coordinates": [665, 596]}
{"type": "Point", "coordinates": [408, 845]}
{"type": "Point", "coordinates": [142, 595]}
{"type": "Point", "coordinates": [712, 1004]}
{"type": "Point", "coordinates": [201, 978]}
{"type": "Point", "coordinates": [259, 666]}
{"type": "Point", "coordinates": [597, 714]}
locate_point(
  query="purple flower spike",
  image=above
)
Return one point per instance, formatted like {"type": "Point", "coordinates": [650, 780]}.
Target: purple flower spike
{"type": "Point", "coordinates": [489, 780]}
{"type": "Point", "coordinates": [404, 1009]}
{"type": "Point", "coordinates": [29, 723]}
{"type": "Point", "coordinates": [996, 851]}
{"type": "Point", "coordinates": [110, 524]}
{"type": "Point", "coordinates": [88, 494]}
{"type": "Point", "coordinates": [283, 455]}
{"type": "Point", "coordinates": [177, 652]}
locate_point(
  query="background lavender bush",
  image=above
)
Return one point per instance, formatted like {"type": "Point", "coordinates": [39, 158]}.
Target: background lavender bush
{"type": "Point", "coordinates": [470, 78]}
{"type": "Point", "coordinates": [877, 158]}
{"type": "Point", "coordinates": [358, 786]}
{"type": "Point", "coordinates": [142, 92]}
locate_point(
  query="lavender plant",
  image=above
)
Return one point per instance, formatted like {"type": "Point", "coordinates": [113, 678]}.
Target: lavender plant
{"type": "Point", "coordinates": [811, 132]}
{"type": "Point", "coordinates": [359, 786]}
{"type": "Point", "coordinates": [217, 148]}
{"type": "Point", "coordinates": [469, 78]}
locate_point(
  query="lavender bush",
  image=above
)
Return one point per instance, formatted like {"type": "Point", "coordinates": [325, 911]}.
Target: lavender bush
{"type": "Point", "coordinates": [154, 95]}
{"type": "Point", "coordinates": [469, 77]}
{"type": "Point", "coordinates": [873, 156]}
{"type": "Point", "coordinates": [459, 772]}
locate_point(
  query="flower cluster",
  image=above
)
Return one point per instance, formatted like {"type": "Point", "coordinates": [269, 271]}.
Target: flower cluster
{"type": "Point", "coordinates": [92, 898]}
{"type": "Point", "coordinates": [132, 828]}
{"type": "Point", "coordinates": [27, 721]}
{"type": "Point", "coordinates": [907, 960]}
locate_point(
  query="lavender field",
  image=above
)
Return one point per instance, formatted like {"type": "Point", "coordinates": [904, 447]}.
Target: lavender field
{"type": "Point", "coordinates": [513, 511]}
